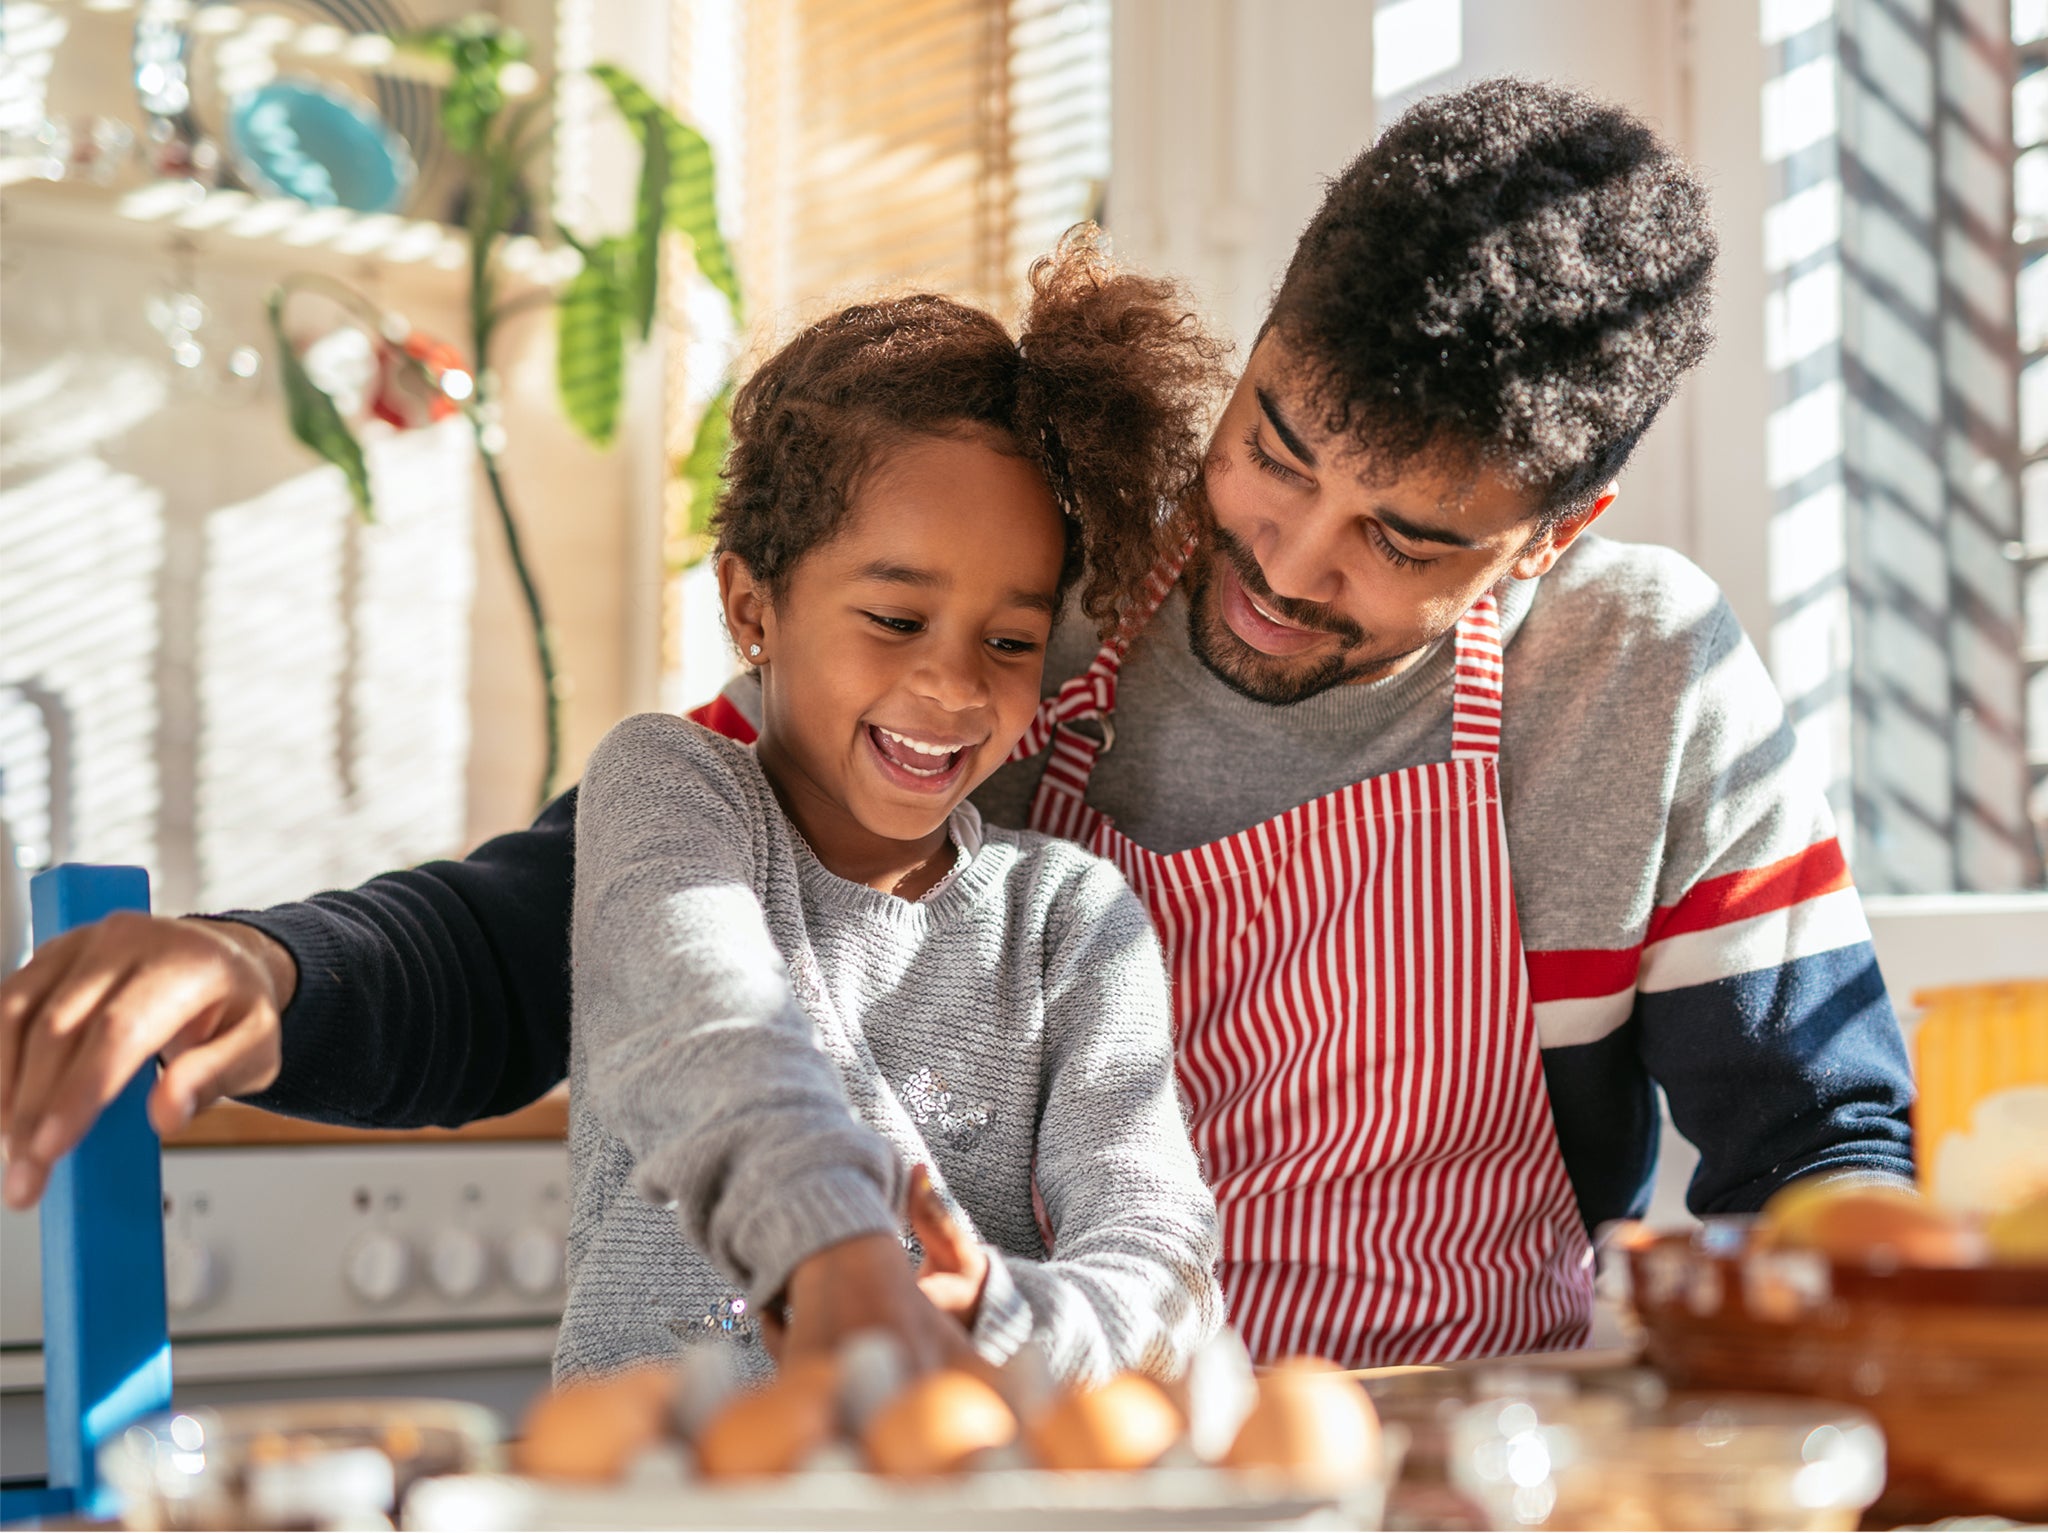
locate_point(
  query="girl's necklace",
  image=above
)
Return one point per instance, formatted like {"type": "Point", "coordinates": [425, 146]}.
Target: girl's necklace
{"type": "Point", "coordinates": [914, 879]}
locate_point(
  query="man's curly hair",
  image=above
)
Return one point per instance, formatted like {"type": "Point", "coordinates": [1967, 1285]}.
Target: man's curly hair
{"type": "Point", "coordinates": [1107, 388]}
{"type": "Point", "coordinates": [1514, 275]}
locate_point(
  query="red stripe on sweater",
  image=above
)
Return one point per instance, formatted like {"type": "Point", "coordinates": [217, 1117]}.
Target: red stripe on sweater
{"type": "Point", "coordinates": [722, 718]}
{"type": "Point", "coordinates": [1807, 875]}
{"type": "Point", "coordinates": [1587, 972]}
{"type": "Point", "coordinates": [1581, 974]}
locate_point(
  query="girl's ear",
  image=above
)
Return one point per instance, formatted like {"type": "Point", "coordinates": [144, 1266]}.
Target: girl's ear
{"type": "Point", "coordinates": [746, 607]}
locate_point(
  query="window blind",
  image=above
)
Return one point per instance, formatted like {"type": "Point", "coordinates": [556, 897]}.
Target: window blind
{"type": "Point", "coordinates": [929, 143]}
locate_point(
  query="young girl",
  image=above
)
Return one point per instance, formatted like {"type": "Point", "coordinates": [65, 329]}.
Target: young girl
{"type": "Point", "coordinates": [805, 972]}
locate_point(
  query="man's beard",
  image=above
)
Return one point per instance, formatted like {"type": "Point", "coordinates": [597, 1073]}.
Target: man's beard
{"type": "Point", "coordinates": [1247, 672]}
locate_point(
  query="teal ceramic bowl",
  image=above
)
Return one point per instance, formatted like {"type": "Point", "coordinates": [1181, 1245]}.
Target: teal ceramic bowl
{"type": "Point", "coordinates": [305, 140]}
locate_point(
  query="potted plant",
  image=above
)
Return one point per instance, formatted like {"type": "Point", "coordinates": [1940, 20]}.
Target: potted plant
{"type": "Point", "coordinates": [606, 306]}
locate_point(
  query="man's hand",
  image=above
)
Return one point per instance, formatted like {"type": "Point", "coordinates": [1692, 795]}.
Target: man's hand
{"type": "Point", "coordinates": [955, 1266]}
{"type": "Point", "coordinates": [95, 1005]}
{"type": "Point", "coordinates": [866, 1284]}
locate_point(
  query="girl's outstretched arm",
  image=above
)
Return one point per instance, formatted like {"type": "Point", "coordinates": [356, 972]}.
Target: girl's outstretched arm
{"type": "Point", "coordinates": [694, 1050]}
{"type": "Point", "coordinates": [1131, 1283]}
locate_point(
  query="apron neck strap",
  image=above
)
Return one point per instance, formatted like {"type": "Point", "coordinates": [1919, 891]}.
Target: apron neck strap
{"type": "Point", "coordinates": [1092, 694]}
{"type": "Point", "coordinates": [1476, 688]}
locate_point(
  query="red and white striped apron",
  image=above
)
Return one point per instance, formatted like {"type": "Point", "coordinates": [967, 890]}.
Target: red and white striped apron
{"type": "Point", "coordinates": [1358, 1046]}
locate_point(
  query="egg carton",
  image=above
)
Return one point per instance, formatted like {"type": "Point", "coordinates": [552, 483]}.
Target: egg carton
{"type": "Point", "coordinates": [659, 1493]}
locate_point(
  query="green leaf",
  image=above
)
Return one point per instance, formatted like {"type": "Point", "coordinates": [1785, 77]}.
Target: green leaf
{"type": "Point", "coordinates": [590, 344]}
{"type": "Point", "coordinates": [693, 210]}
{"type": "Point", "coordinates": [314, 419]}
{"type": "Point", "coordinates": [649, 217]}
{"type": "Point", "coordinates": [692, 195]}
{"type": "Point", "coordinates": [476, 49]}
{"type": "Point", "coordinates": [700, 469]}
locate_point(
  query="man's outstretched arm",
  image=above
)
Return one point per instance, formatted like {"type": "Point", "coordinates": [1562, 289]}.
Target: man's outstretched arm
{"type": "Point", "coordinates": [433, 996]}
{"type": "Point", "coordinates": [438, 995]}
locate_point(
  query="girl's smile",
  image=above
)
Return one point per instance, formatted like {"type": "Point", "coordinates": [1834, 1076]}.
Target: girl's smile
{"type": "Point", "coordinates": [921, 765]}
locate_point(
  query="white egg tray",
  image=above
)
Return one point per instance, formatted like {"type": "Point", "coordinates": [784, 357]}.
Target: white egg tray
{"type": "Point", "coordinates": [848, 1501]}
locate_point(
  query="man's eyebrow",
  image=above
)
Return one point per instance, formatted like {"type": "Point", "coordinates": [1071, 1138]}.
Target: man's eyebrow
{"type": "Point", "coordinates": [1281, 429]}
{"type": "Point", "coordinates": [1414, 532]}
{"type": "Point", "coordinates": [885, 573]}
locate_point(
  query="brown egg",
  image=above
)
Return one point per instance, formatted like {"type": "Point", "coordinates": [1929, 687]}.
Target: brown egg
{"type": "Point", "coordinates": [936, 1424]}
{"type": "Point", "coordinates": [1126, 1424]}
{"type": "Point", "coordinates": [1788, 1217]}
{"type": "Point", "coordinates": [774, 1429]}
{"type": "Point", "coordinates": [593, 1430]}
{"type": "Point", "coordinates": [1878, 1226]}
{"type": "Point", "coordinates": [1312, 1423]}
{"type": "Point", "coordinates": [2020, 1235]}
{"type": "Point", "coordinates": [812, 1373]}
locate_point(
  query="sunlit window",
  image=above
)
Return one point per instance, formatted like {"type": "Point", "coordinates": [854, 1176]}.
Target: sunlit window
{"type": "Point", "coordinates": [1902, 432]}
{"type": "Point", "coordinates": [2030, 232]}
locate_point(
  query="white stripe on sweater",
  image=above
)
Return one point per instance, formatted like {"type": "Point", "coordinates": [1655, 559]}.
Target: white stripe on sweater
{"type": "Point", "coordinates": [1560, 1024]}
{"type": "Point", "coordinates": [1819, 925]}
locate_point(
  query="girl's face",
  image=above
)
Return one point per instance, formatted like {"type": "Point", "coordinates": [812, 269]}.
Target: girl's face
{"type": "Point", "coordinates": [902, 659]}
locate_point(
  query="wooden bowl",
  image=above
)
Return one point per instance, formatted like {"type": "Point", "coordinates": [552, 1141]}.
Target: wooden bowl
{"type": "Point", "coordinates": [1952, 1362]}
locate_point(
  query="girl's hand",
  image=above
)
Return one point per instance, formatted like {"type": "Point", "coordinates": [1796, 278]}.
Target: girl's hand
{"type": "Point", "coordinates": [955, 1267]}
{"type": "Point", "coordinates": [865, 1284]}
{"type": "Point", "coordinates": [95, 1005]}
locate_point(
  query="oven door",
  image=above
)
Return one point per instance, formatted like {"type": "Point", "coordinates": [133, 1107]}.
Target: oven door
{"type": "Point", "coordinates": [305, 1261]}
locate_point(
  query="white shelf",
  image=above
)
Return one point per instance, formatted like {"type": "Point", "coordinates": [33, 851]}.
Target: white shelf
{"type": "Point", "coordinates": [271, 232]}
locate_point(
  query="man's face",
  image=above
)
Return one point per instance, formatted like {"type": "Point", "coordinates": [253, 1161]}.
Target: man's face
{"type": "Point", "coordinates": [1314, 571]}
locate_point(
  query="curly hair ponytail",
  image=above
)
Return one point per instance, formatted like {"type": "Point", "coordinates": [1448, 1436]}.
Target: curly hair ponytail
{"type": "Point", "coordinates": [1118, 377]}
{"type": "Point", "coordinates": [1107, 391]}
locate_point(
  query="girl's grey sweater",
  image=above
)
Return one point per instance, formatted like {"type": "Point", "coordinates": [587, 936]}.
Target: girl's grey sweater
{"type": "Point", "coordinates": [761, 1050]}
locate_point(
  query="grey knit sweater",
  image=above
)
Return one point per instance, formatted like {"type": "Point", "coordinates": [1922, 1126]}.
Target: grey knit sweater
{"type": "Point", "coordinates": [761, 1050]}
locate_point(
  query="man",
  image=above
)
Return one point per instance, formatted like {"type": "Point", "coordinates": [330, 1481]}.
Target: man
{"type": "Point", "coordinates": [1463, 829]}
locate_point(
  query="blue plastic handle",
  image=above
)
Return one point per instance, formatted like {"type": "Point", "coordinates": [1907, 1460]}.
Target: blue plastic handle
{"type": "Point", "coordinates": [106, 1336]}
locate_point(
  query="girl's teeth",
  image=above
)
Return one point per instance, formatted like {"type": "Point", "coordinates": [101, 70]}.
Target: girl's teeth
{"type": "Point", "coordinates": [896, 747]}
{"type": "Point", "coordinates": [917, 745]}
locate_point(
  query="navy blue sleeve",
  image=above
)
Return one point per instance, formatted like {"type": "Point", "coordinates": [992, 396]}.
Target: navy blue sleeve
{"type": "Point", "coordinates": [1604, 1106]}
{"type": "Point", "coordinates": [1773, 1075]}
{"type": "Point", "coordinates": [1782, 1073]}
{"type": "Point", "coordinates": [434, 996]}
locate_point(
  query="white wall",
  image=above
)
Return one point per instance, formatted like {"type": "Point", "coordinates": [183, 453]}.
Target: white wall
{"type": "Point", "coordinates": [1227, 118]}
{"type": "Point", "coordinates": [254, 695]}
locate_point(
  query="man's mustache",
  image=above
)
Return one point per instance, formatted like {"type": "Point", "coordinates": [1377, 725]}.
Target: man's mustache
{"type": "Point", "coordinates": [1305, 614]}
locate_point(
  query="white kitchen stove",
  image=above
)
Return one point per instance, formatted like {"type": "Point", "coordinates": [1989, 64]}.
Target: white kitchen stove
{"type": "Point", "coordinates": [422, 1268]}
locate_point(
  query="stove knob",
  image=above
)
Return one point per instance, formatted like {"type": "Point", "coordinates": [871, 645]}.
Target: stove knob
{"type": "Point", "coordinates": [378, 1267]}
{"type": "Point", "coordinates": [191, 1275]}
{"type": "Point", "coordinates": [533, 1261]}
{"type": "Point", "coordinates": [457, 1264]}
